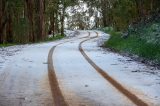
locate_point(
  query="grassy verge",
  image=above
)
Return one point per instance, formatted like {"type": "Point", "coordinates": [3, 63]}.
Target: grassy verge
{"type": "Point", "coordinates": [134, 45]}
{"type": "Point", "coordinates": [6, 45]}
{"type": "Point", "coordinates": [57, 37]}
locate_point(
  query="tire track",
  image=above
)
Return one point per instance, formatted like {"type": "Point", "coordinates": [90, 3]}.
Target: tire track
{"type": "Point", "coordinates": [56, 92]}
{"type": "Point", "coordinates": [115, 83]}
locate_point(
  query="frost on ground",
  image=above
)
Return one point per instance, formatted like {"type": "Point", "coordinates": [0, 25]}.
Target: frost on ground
{"type": "Point", "coordinates": [24, 76]}
{"type": "Point", "coordinates": [103, 37]}
{"type": "Point", "coordinates": [139, 78]}
{"type": "Point", "coordinates": [7, 52]}
{"type": "Point", "coordinates": [70, 33]}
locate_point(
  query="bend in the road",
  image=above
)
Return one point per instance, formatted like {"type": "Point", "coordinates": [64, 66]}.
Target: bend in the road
{"type": "Point", "coordinates": [115, 83]}
{"type": "Point", "coordinates": [56, 92]}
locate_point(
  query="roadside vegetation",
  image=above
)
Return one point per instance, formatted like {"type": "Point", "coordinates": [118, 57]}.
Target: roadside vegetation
{"type": "Point", "coordinates": [53, 38]}
{"type": "Point", "coordinates": [6, 45]}
{"type": "Point", "coordinates": [144, 42]}
{"type": "Point", "coordinates": [135, 24]}
{"type": "Point", "coordinates": [56, 37]}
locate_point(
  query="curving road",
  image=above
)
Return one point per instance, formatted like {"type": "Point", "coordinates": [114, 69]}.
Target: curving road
{"type": "Point", "coordinates": [78, 82]}
{"type": "Point", "coordinates": [63, 74]}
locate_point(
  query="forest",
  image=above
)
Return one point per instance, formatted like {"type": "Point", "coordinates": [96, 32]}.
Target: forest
{"type": "Point", "coordinates": [23, 21]}
{"type": "Point", "coordinates": [79, 52]}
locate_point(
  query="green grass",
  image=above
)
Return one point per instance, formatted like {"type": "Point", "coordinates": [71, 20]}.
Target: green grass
{"type": "Point", "coordinates": [57, 37]}
{"type": "Point", "coordinates": [6, 45]}
{"type": "Point", "coordinates": [134, 45]}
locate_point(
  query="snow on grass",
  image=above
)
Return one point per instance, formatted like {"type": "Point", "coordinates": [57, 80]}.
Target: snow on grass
{"type": "Point", "coordinates": [103, 37]}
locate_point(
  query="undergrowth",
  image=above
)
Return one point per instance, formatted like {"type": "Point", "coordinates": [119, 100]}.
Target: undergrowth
{"type": "Point", "coordinates": [56, 37]}
{"type": "Point", "coordinates": [145, 43]}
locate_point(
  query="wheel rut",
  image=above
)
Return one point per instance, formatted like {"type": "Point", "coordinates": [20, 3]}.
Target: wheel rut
{"type": "Point", "coordinates": [58, 97]}
{"type": "Point", "coordinates": [56, 92]}
{"type": "Point", "coordinates": [137, 101]}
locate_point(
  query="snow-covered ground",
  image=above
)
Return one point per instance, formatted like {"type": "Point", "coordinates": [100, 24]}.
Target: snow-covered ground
{"type": "Point", "coordinates": [24, 74]}
{"type": "Point", "coordinates": [6, 53]}
{"type": "Point", "coordinates": [80, 83]}
{"type": "Point", "coordinates": [143, 80]}
{"type": "Point", "coordinates": [71, 33]}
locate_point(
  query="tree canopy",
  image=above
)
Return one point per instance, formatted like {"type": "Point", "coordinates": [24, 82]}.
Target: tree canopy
{"type": "Point", "coordinates": [23, 21]}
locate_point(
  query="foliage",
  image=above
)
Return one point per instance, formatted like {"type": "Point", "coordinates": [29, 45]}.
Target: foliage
{"type": "Point", "coordinates": [108, 29]}
{"type": "Point", "coordinates": [56, 37]}
{"type": "Point", "coordinates": [123, 13]}
{"type": "Point", "coordinates": [145, 45]}
{"type": "Point", "coordinates": [23, 21]}
{"type": "Point", "coordinates": [21, 29]}
{"type": "Point", "coordinates": [6, 45]}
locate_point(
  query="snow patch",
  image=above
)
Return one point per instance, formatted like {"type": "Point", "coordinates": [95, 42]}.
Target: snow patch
{"type": "Point", "coordinates": [7, 52]}
{"type": "Point", "coordinates": [143, 80]}
{"type": "Point", "coordinates": [70, 33]}
{"type": "Point", "coordinates": [103, 37]}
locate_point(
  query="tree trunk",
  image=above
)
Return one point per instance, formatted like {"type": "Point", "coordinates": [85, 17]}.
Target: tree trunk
{"type": "Point", "coordinates": [104, 19]}
{"type": "Point", "coordinates": [138, 7]}
{"type": "Point", "coordinates": [30, 12]}
{"type": "Point", "coordinates": [39, 20]}
{"type": "Point", "coordinates": [9, 33]}
{"type": "Point", "coordinates": [3, 20]}
{"type": "Point", "coordinates": [1, 38]}
{"type": "Point", "coordinates": [56, 22]}
{"type": "Point", "coordinates": [151, 6]}
{"type": "Point", "coordinates": [104, 12]}
{"type": "Point", "coordinates": [52, 18]}
{"type": "Point", "coordinates": [62, 21]}
{"type": "Point", "coordinates": [41, 13]}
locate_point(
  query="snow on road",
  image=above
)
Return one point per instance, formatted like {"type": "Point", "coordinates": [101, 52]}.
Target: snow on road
{"type": "Point", "coordinates": [24, 79]}
{"type": "Point", "coordinates": [6, 53]}
{"type": "Point", "coordinates": [24, 75]}
{"type": "Point", "coordinates": [143, 80]}
{"type": "Point", "coordinates": [80, 83]}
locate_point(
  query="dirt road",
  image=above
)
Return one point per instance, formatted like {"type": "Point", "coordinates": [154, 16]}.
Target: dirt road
{"type": "Point", "coordinates": [59, 74]}
{"type": "Point", "coordinates": [79, 83]}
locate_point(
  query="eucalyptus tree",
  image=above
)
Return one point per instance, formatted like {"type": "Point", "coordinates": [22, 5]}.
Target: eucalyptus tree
{"type": "Point", "coordinates": [30, 15]}
{"type": "Point", "coordinates": [120, 13]}
{"type": "Point", "coordinates": [10, 12]}
{"type": "Point", "coordinates": [2, 20]}
{"type": "Point", "coordinates": [56, 11]}
{"type": "Point", "coordinates": [63, 6]}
